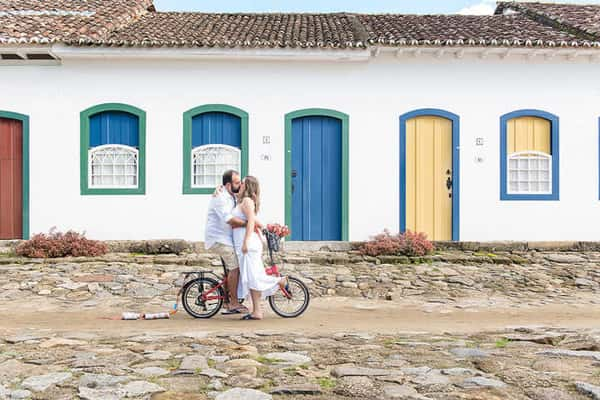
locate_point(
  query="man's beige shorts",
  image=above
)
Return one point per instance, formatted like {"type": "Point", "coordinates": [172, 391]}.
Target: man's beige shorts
{"type": "Point", "coordinates": [228, 254]}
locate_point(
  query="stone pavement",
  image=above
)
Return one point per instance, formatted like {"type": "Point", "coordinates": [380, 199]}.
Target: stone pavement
{"type": "Point", "coordinates": [518, 363]}
{"type": "Point", "coordinates": [528, 362]}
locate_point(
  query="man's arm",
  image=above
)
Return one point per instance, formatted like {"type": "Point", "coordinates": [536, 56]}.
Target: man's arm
{"type": "Point", "coordinates": [225, 215]}
{"type": "Point", "coordinates": [236, 222]}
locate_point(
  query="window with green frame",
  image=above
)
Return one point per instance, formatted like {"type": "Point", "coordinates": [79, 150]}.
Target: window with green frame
{"type": "Point", "coordinates": [113, 150]}
{"type": "Point", "coordinates": [215, 139]}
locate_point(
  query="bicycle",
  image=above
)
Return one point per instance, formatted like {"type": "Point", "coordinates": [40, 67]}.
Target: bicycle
{"type": "Point", "coordinates": [204, 295]}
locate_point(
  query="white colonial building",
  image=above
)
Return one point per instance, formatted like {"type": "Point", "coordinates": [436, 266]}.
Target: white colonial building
{"type": "Point", "coordinates": [118, 120]}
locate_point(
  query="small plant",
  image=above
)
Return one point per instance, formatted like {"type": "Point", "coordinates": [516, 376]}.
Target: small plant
{"type": "Point", "coordinates": [154, 379]}
{"type": "Point", "coordinates": [59, 244]}
{"type": "Point", "coordinates": [262, 371]}
{"type": "Point", "coordinates": [173, 364]}
{"type": "Point", "coordinates": [266, 360]}
{"type": "Point", "coordinates": [406, 244]}
{"type": "Point", "coordinates": [326, 383]}
{"type": "Point", "coordinates": [11, 354]}
{"type": "Point", "coordinates": [267, 386]}
{"type": "Point", "coordinates": [501, 343]}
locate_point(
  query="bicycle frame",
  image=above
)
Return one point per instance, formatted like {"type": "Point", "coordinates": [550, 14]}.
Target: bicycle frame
{"type": "Point", "coordinates": [273, 270]}
{"type": "Point", "coordinates": [222, 281]}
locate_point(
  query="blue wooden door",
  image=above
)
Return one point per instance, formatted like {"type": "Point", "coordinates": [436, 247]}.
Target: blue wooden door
{"type": "Point", "coordinates": [316, 178]}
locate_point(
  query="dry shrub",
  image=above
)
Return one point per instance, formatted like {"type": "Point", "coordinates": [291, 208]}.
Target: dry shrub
{"type": "Point", "coordinates": [412, 244]}
{"type": "Point", "coordinates": [58, 244]}
{"type": "Point", "coordinates": [175, 246]}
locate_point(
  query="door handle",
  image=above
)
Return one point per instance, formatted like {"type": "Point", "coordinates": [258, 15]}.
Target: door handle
{"type": "Point", "coordinates": [449, 183]}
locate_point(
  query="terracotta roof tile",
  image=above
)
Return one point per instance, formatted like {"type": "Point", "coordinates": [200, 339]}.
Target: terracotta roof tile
{"type": "Point", "coordinates": [236, 30]}
{"type": "Point", "coordinates": [464, 30]}
{"type": "Point", "coordinates": [577, 18]}
{"type": "Point", "coordinates": [135, 23]}
{"type": "Point", "coordinates": [50, 21]}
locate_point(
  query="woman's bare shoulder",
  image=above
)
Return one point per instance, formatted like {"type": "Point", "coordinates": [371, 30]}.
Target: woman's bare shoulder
{"type": "Point", "coordinates": [248, 202]}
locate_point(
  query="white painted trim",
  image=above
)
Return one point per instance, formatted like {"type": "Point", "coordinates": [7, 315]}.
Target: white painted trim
{"type": "Point", "coordinates": [502, 53]}
{"type": "Point", "coordinates": [30, 63]}
{"type": "Point", "coordinates": [518, 156]}
{"type": "Point", "coordinates": [199, 149]}
{"type": "Point", "coordinates": [182, 53]}
{"type": "Point", "coordinates": [61, 51]}
{"type": "Point", "coordinates": [129, 149]}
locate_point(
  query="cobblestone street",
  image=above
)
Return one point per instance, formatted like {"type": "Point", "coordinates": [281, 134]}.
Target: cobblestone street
{"type": "Point", "coordinates": [456, 325]}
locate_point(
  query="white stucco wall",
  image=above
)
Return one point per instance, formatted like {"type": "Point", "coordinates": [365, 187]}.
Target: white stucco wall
{"type": "Point", "coordinates": [373, 93]}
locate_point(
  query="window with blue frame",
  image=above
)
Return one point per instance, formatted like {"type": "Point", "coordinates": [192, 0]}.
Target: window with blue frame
{"type": "Point", "coordinates": [529, 156]}
{"type": "Point", "coordinates": [215, 140]}
{"type": "Point", "coordinates": [112, 150]}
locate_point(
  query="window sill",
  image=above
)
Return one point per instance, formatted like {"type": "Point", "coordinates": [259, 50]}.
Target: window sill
{"type": "Point", "coordinates": [111, 192]}
{"type": "Point", "coordinates": [190, 190]}
{"type": "Point", "coordinates": [529, 197]}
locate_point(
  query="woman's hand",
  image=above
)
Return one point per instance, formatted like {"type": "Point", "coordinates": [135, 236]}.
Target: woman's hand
{"type": "Point", "coordinates": [245, 247]}
{"type": "Point", "coordinates": [217, 191]}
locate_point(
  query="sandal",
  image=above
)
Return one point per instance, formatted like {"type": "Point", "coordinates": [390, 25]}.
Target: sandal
{"type": "Point", "coordinates": [249, 317]}
{"type": "Point", "coordinates": [237, 310]}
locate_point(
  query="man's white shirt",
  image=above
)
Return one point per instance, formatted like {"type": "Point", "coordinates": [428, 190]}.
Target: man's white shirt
{"type": "Point", "coordinates": [218, 230]}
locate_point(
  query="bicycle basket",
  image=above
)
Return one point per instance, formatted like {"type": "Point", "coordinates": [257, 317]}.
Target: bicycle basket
{"type": "Point", "coordinates": [272, 240]}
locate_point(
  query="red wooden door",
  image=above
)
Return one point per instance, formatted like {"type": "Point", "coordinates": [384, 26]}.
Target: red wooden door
{"type": "Point", "coordinates": [11, 179]}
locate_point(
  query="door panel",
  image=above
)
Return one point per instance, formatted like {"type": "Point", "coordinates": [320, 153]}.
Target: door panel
{"type": "Point", "coordinates": [316, 178]}
{"type": "Point", "coordinates": [428, 168]}
{"type": "Point", "coordinates": [216, 128]}
{"type": "Point", "coordinates": [529, 134]}
{"type": "Point", "coordinates": [114, 127]}
{"type": "Point", "coordinates": [11, 170]}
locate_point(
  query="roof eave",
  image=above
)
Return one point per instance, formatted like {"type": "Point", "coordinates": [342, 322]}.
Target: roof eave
{"type": "Point", "coordinates": [66, 52]}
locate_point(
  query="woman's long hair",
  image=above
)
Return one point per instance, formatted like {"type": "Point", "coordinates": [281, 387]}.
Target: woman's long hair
{"type": "Point", "coordinates": [252, 190]}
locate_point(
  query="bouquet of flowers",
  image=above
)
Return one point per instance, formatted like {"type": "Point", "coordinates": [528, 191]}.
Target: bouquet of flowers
{"type": "Point", "coordinates": [273, 233]}
{"type": "Point", "coordinates": [279, 230]}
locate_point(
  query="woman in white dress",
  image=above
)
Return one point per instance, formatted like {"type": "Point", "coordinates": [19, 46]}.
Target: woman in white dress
{"type": "Point", "coordinates": [248, 247]}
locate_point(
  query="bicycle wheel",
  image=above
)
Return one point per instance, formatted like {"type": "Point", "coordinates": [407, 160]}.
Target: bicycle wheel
{"type": "Point", "coordinates": [191, 298]}
{"type": "Point", "coordinates": [291, 307]}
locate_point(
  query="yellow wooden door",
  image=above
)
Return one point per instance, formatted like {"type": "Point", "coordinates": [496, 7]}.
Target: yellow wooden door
{"type": "Point", "coordinates": [528, 134]}
{"type": "Point", "coordinates": [428, 167]}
